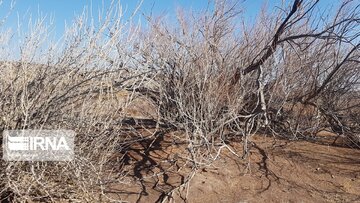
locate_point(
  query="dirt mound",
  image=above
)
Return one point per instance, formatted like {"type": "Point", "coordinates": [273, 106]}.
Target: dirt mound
{"type": "Point", "coordinates": [280, 171]}
{"type": "Point", "coordinates": [276, 170]}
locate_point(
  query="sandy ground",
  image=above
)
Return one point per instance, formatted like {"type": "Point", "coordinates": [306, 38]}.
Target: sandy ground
{"type": "Point", "coordinates": [275, 171]}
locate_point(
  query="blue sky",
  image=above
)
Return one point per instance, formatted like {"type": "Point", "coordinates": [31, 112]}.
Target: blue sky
{"type": "Point", "coordinates": [66, 10]}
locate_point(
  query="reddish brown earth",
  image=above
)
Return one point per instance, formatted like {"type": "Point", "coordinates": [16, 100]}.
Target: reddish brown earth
{"type": "Point", "coordinates": [278, 171]}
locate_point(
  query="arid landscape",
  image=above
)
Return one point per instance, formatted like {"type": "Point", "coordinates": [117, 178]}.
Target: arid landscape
{"type": "Point", "coordinates": [200, 105]}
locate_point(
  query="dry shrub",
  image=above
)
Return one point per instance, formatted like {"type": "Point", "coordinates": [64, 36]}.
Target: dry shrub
{"type": "Point", "coordinates": [289, 75]}
{"type": "Point", "coordinates": [192, 84]}
{"type": "Point", "coordinates": [70, 85]}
